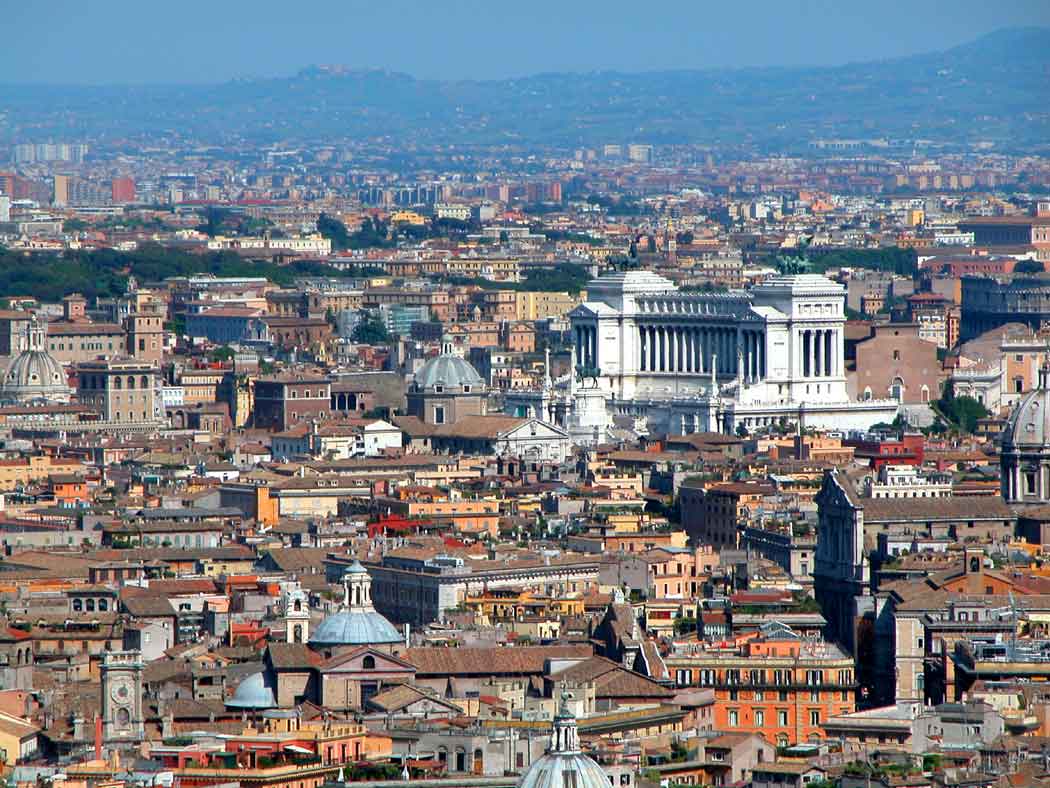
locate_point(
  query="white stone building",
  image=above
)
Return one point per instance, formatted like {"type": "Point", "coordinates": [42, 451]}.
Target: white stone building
{"type": "Point", "coordinates": [692, 362]}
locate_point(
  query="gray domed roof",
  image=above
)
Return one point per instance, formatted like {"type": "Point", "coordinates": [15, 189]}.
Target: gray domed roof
{"type": "Point", "coordinates": [447, 370]}
{"type": "Point", "coordinates": [254, 692]}
{"type": "Point", "coordinates": [549, 771]}
{"type": "Point", "coordinates": [35, 375]}
{"type": "Point", "coordinates": [354, 628]}
{"type": "Point", "coordinates": [564, 756]}
{"type": "Point", "coordinates": [356, 623]}
{"type": "Point", "coordinates": [1028, 426]}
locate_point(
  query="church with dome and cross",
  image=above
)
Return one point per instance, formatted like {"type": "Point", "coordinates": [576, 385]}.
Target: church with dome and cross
{"type": "Point", "coordinates": [342, 662]}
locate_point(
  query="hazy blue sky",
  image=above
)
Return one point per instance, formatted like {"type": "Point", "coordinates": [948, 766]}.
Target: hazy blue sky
{"type": "Point", "coordinates": [197, 41]}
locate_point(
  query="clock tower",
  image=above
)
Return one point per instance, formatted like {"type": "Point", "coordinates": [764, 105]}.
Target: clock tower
{"type": "Point", "coordinates": [122, 718]}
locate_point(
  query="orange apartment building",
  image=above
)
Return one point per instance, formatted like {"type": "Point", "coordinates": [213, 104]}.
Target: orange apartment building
{"type": "Point", "coordinates": [782, 687]}
{"type": "Point", "coordinates": [465, 516]}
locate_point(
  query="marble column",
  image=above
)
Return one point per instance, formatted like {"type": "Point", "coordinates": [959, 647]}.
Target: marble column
{"type": "Point", "coordinates": [817, 345]}
{"type": "Point", "coordinates": [829, 353]}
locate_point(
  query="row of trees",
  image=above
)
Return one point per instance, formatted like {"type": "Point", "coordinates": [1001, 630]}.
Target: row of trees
{"type": "Point", "coordinates": [104, 272]}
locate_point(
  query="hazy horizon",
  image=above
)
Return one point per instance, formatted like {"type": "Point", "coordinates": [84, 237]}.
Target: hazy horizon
{"type": "Point", "coordinates": [123, 43]}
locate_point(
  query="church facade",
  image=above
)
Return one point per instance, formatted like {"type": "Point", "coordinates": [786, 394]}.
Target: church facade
{"type": "Point", "coordinates": [691, 362]}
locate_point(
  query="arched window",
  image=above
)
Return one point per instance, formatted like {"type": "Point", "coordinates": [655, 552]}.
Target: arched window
{"type": "Point", "coordinates": [297, 633]}
{"type": "Point", "coordinates": [89, 605]}
{"type": "Point", "coordinates": [925, 393]}
{"type": "Point", "coordinates": [103, 605]}
{"type": "Point", "coordinates": [144, 382]}
{"type": "Point", "coordinates": [118, 382]}
{"type": "Point", "coordinates": [897, 389]}
{"type": "Point", "coordinates": [867, 393]}
{"type": "Point", "coordinates": [131, 382]}
{"type": "Point", "coordinates": [368, 663]}
{"type": "Point", "coordinates": [297, 605]}
{"type": "Point", "coordinates": [78, 605]}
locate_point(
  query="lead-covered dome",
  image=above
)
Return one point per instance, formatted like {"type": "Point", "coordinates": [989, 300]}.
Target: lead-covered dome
{"type": "Point", "coordinates": [1024, 451]}
{"type": "Point", "coordinates": [564, 764]}
{"type": "Point", "coordinates": [356, 623]}
{"type": "Point", "coordinates": [448, 371]}
{"type": "Point", "coordinates": [34, 375]}
{"type": "Point", "coordinates": [1029, 423]}
{"type": "Point", "coordinates": [254, 692]}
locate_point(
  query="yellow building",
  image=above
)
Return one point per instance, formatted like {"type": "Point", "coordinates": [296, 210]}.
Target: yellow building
{"type": "Point", "coordinates": [407, 217]}
{"type": "Point", "coordinates": [914, 217]}
{"type": "Point", "coordinates": [18, 739]}
{"type": "Point", "coordinates": [532, 305]}
{"type": "Point", "coordinates": [24, 470]}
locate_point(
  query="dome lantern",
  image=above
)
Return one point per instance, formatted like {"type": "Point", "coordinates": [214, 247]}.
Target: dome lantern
{"type": "Point", "coordinates": [356, 623]}
{"type": "Point", "coordinates": [564, 764]}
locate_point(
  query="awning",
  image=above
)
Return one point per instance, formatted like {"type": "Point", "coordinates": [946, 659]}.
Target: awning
{"type": "Point", "coordinates": [298, 749]}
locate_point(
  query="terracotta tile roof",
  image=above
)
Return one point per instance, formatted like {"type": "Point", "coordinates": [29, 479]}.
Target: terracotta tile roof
{"type": "Point", "coordinates": [612, 680]}
{"type": "Point", "coordinates": [473, 661]}
{"type": "Point", "coordinates": [951, 508]}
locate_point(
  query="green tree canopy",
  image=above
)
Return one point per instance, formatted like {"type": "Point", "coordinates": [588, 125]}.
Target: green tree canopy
{"type": "Point", "coordinates": [371, 331]}
{"type": "Point", "coordinates": [963, 412]}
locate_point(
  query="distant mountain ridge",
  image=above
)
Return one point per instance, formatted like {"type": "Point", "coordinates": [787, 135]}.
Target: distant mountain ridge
{"type": "Point", "coordinates": [995, 89]}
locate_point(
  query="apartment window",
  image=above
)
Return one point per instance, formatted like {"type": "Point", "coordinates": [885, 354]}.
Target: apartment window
{"type": "Point", "coordinates": [439, 415]}
{"type": "Point", "coordinates": [760, 718]}
{"type": "Point", "coordinates": [682, 678]}
{"type": "Point", "coordinates": [814, 717]}
{"type": "Point", "coordinates": [734, 694]}
{"type": "Point", "coordinates": [896, 355]}
{"type": "Point", "coordinates": [782, 718]}
{"type": "Point", "coordinates": [734, 718]}
{"type": "Point", "coordinates": [814, 696]}
{"type": "Point", "coordinates": [782, 696]}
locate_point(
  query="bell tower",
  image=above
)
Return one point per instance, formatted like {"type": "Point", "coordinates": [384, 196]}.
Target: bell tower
{"type": "Point", "coordinates": [122, 718]}
{"type": "Point", "coordinates": [296, 605]}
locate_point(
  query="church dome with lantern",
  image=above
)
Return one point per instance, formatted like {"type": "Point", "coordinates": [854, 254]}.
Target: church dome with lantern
{"type": "Point", "coordinates": [356, 623]}
{"type": "Point", "coordinates": [34, 375]}
{"type": "Point", "coordinates": [565, 764]}
{"type": "Point", "coordinates": [1024, 454]}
